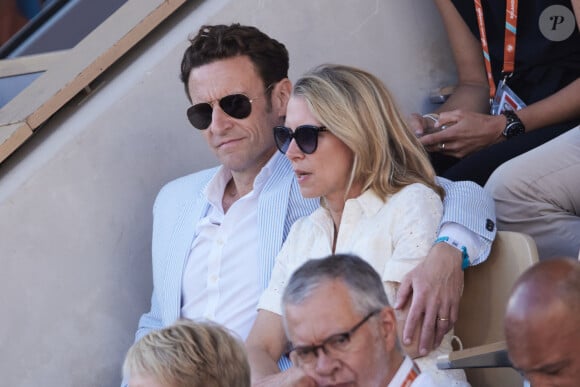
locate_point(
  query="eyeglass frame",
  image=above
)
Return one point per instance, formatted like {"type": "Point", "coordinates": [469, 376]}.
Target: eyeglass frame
{"type": "Point", "coordinates": [219, 100]}
{"type": "Point", "coordinates": [292, 135]}
{"type": "Point", "coordinates": [314, 349]}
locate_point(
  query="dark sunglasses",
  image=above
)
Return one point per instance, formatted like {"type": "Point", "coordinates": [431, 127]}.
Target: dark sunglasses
{"type": "Point", "coordinates": [306, 137]}
{"type": "Point", "coordinates": [235, 105]}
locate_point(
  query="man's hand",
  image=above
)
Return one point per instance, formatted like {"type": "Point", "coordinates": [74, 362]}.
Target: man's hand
{"type": "Point", "coordinates": [466, 133]}
{"type": "Point", "coordinates": [435, 288]}
{"type": "Point", "coordinates": [292, 377]}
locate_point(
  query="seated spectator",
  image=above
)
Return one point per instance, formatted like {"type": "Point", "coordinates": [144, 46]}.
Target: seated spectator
{"type": "Point", "coordinates": [342, 329]}
{"type": "Point", "coordinates": [216, 232]}
{"type": "Point", "coordinates": [538, 193]}
{"type": "Point", "coordinates": [349, 145]}
{"type": "Point", "coordinates": [525, 57]}
{"type": "Point", "coordinates": [541, 323]}
{"type": "Point", "coordinates": [187, 354]}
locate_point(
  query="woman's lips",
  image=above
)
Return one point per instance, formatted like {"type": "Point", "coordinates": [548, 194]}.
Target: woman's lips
{"type": "Point", "coordinates": [301, 175]}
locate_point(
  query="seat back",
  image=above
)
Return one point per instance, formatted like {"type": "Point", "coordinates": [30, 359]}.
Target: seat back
{"type": "Point", "coordinates": [485, 295]}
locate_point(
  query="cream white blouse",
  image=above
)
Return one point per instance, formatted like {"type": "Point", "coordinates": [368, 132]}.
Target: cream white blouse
{"type": "Point", "coordinates": [393, 236]}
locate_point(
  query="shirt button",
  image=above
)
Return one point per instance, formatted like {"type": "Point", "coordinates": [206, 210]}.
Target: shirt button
{"type": "Point", "coordinates": [213, 278]}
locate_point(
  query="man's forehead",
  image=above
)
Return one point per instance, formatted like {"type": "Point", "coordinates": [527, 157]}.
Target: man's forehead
{"type": "Point", "coordinates": [543, 340]}
{"type": "Point", "coordinates": [223, 77]}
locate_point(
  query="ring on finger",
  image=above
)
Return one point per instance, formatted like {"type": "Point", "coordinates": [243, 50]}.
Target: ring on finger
{"type": "Point", "coordinates": [442, 146]}
{"type": "Point", "coordinates": [442, 319]}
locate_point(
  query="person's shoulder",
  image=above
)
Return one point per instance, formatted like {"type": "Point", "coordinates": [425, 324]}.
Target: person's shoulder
{"type": "Point", "coordinates": [184, 188]}
{"type": "Point", "coordinates": [194, 181]}
{"type": "Point", "coordinates": [416, 190]}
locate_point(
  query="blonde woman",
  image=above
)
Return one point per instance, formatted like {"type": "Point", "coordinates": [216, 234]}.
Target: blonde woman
{"type": "Point", "coordinates": [349, 145]}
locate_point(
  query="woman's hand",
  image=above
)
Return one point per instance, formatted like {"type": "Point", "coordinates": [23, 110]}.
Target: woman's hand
{"type": "Point", "coordinates": [417, 124]}
{"type": "Point", "coordinates": [465, 133]}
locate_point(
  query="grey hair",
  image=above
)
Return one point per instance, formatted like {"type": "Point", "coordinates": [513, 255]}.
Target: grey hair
{"type": "Point", "coordinates": [363, 282]}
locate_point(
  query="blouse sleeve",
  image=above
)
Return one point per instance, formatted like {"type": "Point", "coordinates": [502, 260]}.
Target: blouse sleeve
{"type": "Point", "coordinates": [416, 220]}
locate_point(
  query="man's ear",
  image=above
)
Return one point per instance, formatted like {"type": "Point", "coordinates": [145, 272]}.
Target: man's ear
{"type": "Point", "coordinates": [388, 324]}
{"type": "Point", "coordinates": [280, 96]}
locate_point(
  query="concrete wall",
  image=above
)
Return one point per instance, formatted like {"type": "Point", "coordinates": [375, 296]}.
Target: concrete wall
{"type": "Point", "coordinates": [75, 202]}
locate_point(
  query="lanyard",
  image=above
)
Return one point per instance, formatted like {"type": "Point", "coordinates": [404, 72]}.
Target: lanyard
{"type": "Point", "coordinates": [406, 374]}
{"type": "Point", "coordinates": [411, 376]}
{"type": "Point", "coordinates": [509, 47]}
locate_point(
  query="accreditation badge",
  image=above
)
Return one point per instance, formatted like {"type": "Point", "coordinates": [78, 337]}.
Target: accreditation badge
{"type": "Point", "coordinates": [505, 99]}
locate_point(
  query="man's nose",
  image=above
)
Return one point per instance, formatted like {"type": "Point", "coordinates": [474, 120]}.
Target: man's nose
{"type": "Point", "coordinates": [326, 365]}
{"type": "Point", "coordinates": [220, 121]}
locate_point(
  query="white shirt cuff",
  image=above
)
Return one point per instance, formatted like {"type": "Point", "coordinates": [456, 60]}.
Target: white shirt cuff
{"type": "Point", "coordinates": [463, 235]}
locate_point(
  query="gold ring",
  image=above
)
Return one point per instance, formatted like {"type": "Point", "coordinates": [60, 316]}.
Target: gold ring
{"type": "Point", "coordinates": [442, 319]}
{"type": "Point", "coordinates": [442, 146]}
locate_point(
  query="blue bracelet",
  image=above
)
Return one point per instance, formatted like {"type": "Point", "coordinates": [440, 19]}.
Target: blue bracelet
{"type": "Point", "coordinates": [452, 242]}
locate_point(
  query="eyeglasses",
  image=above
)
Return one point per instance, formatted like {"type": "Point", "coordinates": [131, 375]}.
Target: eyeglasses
{"type": "Point", "coordinates": [238, 106]}
{"type": "Point", "coordinates": [332, 346]}
{"type": "Point", "coordinates": [306, 137]}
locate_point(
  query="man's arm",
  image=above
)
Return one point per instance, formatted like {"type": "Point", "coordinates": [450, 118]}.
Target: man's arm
{"type": "Point", "coordinates": [437, 282]}
{"type": "Point", "coordinates": [149, 321]}
{"type": "Point", "coordinates": [468, 205]}
{"type": "Point", "coordinates": [265, 345]}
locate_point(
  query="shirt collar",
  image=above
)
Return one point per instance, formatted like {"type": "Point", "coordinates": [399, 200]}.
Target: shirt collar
{"type": "Point", "coordinates": [369, 203]}
{"type": "Point", "coordinates": [214, 190]}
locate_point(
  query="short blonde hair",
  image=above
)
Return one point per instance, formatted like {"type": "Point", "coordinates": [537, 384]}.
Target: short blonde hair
{"type": "Point", "coordinates": [356, 107]}
{"type": "Point", "coordinates": [189, 354]}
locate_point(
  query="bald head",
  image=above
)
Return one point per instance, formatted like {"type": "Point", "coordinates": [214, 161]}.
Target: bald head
{"type": "Point", "coordinates": [553, 281]}
{"type": "Point", "coordinates": [542, 320]}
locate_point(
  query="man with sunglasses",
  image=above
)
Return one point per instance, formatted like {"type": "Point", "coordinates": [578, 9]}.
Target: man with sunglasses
{"type": "Point", "coordinates": [342, 329]}
{"type": "Point", "coordinates": [216, 232]}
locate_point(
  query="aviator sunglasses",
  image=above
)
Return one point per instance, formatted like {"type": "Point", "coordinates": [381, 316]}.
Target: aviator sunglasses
{"type": "Point", "coordinates": [306, 137]}
{"type": "Point", "coordinates": [235, 105]}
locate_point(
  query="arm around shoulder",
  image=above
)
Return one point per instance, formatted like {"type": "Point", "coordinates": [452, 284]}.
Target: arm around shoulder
{"type": "Point", "coordinates": [470, 206]}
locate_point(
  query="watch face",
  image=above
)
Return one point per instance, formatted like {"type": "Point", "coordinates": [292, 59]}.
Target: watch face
{"type": "Point", "coordinates": [514, 126]}
{"type": "Point", "coordinates": [514, 129]}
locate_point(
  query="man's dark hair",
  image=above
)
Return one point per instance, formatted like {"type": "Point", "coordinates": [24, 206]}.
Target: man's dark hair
{"type": "Point", "coordinates": [216, 42]}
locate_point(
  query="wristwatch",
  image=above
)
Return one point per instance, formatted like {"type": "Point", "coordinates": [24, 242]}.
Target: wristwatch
{"type": "Point", "coordinates": [513, 126]}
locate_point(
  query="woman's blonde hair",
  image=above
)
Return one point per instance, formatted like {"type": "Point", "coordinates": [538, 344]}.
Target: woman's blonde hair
{"type": "Point", "coordinates": [189, 354]}
{"type": "Point", "coordinates": [356, 107]}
